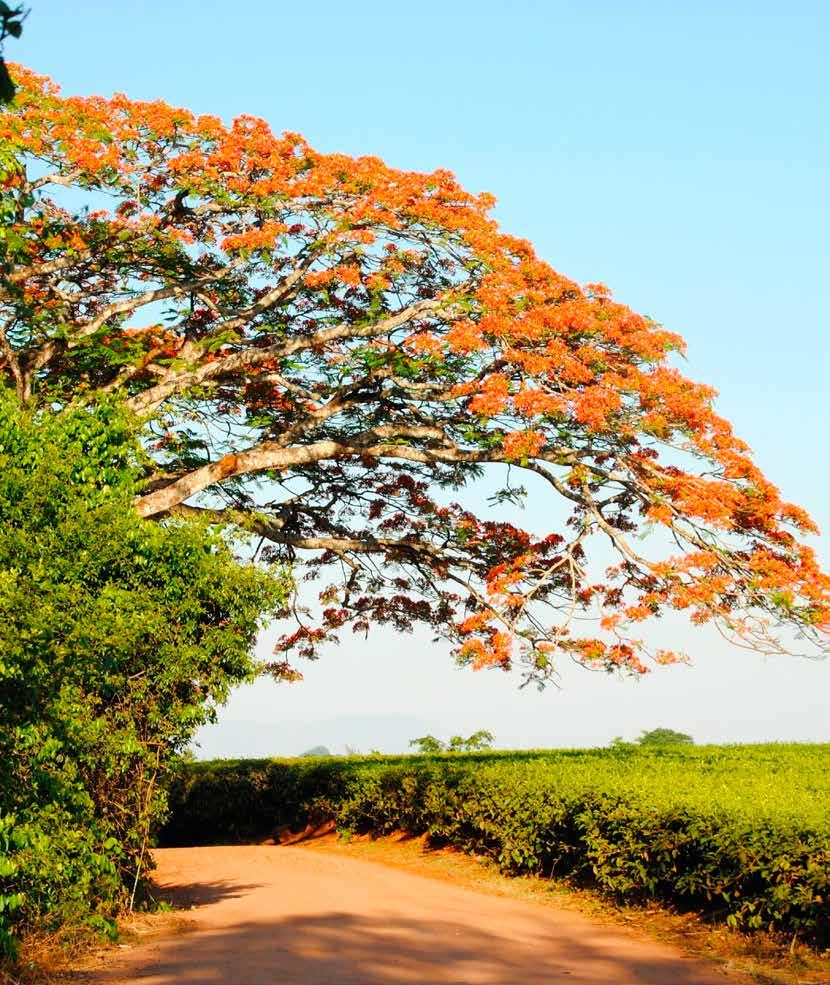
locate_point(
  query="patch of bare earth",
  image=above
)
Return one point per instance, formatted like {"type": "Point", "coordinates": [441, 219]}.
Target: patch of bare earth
{"type": "Point", "coordinates": [322, 911]}
{"type": "Point", "coordinates": [761, 958]}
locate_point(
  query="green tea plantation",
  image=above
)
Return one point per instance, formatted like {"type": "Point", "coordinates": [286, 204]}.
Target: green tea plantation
{"type": "Point", "coordinates": [739, 833]}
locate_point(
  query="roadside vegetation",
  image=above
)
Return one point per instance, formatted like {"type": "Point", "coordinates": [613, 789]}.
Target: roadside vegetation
{"type": "Point", "coordinates": [118, 638]}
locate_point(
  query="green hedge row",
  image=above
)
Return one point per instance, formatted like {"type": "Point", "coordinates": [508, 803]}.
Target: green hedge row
{"type": "Point", "coordinates": [637, 825]}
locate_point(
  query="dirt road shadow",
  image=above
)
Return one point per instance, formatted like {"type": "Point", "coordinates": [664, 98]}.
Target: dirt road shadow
{"type": "Point", "coordinates": [191, 894]}
{"type": "Point", "coordinates": [337, 948]}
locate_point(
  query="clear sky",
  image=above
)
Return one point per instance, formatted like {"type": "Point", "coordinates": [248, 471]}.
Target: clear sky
{"type": "Point", "coordinates": [676, 151]}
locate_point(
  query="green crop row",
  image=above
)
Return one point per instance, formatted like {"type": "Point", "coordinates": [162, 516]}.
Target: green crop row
{"type": "Point", "coordinates": [739, 833]}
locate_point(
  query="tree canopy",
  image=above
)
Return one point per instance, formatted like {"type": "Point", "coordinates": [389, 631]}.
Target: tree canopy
{"type": "Point", "coordinates": [478, 741]}
{"type": "Point", "coordinates": [327, 352]}
{"type": "Point", "coordinates": [11, 26]}
{"type": "Point", "coordinates": [664, 737]}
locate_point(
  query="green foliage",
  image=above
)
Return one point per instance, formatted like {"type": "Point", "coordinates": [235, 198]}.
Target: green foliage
{"type": "Point", "coordinates": [118, 637]}
{"type": "Point", "coordinates": [740, 833]}
{"type": "Point", "coordinates": [11, 26]}
{"type": "Point", "coordinates": [477, 742]}
{"type": "Point", "coordinates": [665, 737]}
{"type": "Point", "coordinates": [429, 745]}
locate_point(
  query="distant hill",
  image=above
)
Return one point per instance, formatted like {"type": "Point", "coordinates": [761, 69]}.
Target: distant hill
{"type": "Point", "coordinates": [316, 751]}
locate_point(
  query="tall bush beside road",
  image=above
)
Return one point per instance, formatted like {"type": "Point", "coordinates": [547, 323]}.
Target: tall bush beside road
{"type": "Point", "coordinates": [118, 637]}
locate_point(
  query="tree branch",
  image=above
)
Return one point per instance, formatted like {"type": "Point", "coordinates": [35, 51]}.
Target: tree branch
{"type": "Point", "coordinates": [271, 456]}
{"type": "Point", "coordinates": [248, 359]}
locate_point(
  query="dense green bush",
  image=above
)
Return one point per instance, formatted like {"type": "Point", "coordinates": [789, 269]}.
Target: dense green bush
{"type": "Point", "coordinates": [117, 638]}
{"type": "Point", "coordinates": [740, 833]}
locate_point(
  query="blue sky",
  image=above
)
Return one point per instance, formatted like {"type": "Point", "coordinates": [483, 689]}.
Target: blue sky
{"type": "Point", "coordinates": [678, 152]}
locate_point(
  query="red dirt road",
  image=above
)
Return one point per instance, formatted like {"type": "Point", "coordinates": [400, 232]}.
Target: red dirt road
{"type": "Point", "coordinates": [286, 915]}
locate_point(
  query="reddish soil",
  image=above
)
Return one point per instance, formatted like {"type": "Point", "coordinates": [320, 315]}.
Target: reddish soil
{"type": "Point", "coordinates": [288, 915]}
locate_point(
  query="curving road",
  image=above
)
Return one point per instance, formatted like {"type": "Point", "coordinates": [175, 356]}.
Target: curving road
{"type": "Point", "coordinates": [285, 915]}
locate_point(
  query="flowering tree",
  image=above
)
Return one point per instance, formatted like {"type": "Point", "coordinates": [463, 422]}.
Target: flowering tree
{"type": "Point", "coordinates": [328, 351]}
